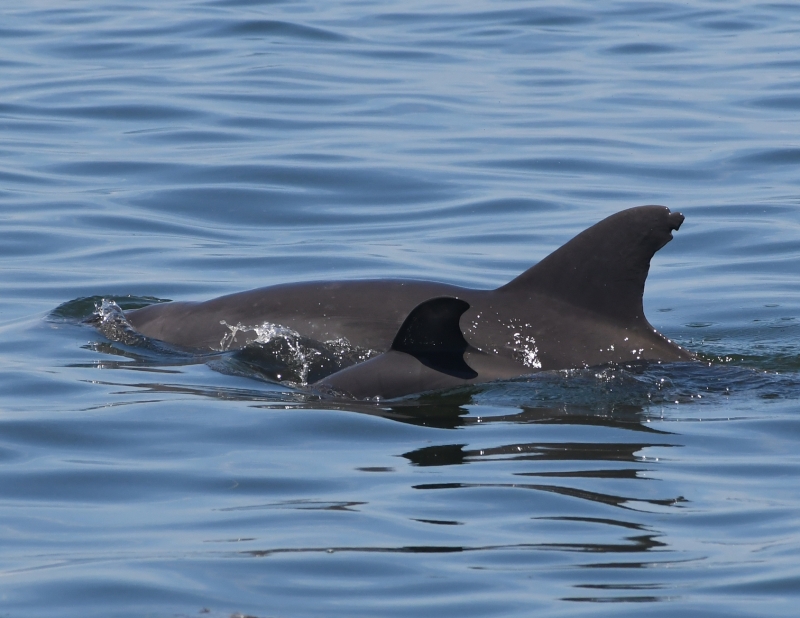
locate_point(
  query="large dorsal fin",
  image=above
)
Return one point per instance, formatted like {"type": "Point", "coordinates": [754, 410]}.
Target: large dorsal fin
{"type": "Point", "coordinates": [431, 333]}
{"type": "Point", "coordinates": [603, 269]}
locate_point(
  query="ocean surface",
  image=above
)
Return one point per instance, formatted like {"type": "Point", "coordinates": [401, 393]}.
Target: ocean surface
{"type": "Point", "coordinates": [184, 150]}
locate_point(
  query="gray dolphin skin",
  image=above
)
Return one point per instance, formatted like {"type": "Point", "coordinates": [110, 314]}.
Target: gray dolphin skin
{"type": "Point", "coordinates": [581, 306]}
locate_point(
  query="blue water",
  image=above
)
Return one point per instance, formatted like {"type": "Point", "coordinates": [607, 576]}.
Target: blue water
{"type": "Point", "coordinates": [184, 150]}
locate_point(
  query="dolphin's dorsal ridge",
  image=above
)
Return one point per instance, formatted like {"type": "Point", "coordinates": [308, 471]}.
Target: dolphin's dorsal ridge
{"type": "Point", "coordinates": [604, 268]}
{"type": "Point", "coordinates": [431, 333]}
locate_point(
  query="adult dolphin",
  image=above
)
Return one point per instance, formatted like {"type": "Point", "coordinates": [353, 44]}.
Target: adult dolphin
{"type": "Point", "coordinates": [580, 306]}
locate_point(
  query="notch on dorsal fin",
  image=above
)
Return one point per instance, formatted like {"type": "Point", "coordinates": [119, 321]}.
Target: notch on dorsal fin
{"type": "Point", "coordinates": [603, 269]}
{"type": "Point", "coordinates": [431, 333]}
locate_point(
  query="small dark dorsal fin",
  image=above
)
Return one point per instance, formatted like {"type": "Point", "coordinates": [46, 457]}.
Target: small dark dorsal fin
{"type": "Point", "coordinates": [603, 269]}
{"type": "Point", "coordinates": [431, 334]}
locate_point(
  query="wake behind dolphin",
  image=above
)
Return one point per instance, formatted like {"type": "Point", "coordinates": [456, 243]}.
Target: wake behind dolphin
{"type": "Point", "coordinates": [580, 306]}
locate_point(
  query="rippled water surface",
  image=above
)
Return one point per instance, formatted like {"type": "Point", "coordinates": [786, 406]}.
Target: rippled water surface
{"type": "Point", "coordinates": [184, 150]}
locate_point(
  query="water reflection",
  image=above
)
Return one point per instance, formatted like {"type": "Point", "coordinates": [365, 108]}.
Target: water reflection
{"type": "Point", "coordinates": [441, 410]}
{"type": "Point", "coordinates": [607, 414]}
{"type": "Point", "coordinates": [454, 454]}
{"type": "Point", "coordinates": [624, 502]}
{"type": "Point", "coordinates": [640, 543]}
{"type": "Point", "coordinates": [300, 505]}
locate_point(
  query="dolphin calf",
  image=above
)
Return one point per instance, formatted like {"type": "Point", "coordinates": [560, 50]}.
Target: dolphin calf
{"type": "Point", "coordinates": [580, 306]}
{"type": "Point", "coordinates": [429, 353]}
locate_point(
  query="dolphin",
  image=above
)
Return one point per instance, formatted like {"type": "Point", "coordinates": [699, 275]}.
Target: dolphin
{"type": "Point", "coordinates": [580, 306]}
{"type": "Point", "coordinates": [429, 353]}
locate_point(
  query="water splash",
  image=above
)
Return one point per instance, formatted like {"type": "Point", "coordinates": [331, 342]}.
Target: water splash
{"type": "Point", "coordinates": [281, 354]}
{"type": "Point", "coordinates": [110, 320]}
{"type": "Point", "coordinates": [525, 350]}
{"type": "Point", "coordinates": [272, 351]}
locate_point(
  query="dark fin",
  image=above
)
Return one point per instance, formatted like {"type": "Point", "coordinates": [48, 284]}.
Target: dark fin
{"type": "Point", "coordinates": [603, 269]}
{"type": "Point", "coordinates": [431, 334]}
